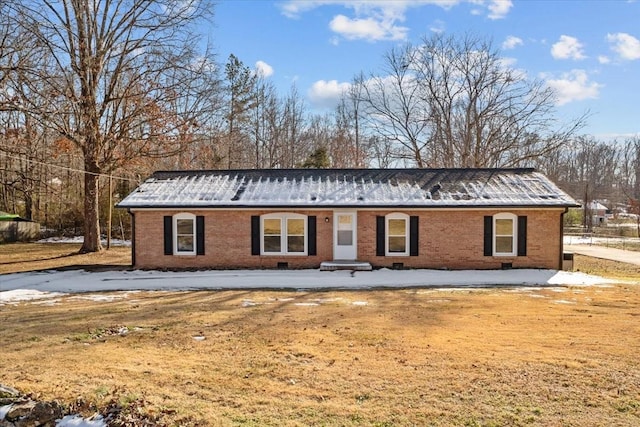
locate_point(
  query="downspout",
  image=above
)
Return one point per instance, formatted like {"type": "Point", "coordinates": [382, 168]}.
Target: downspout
{"type": "Point", "coordinates": [561, 263]}
{"type": "Point", "coordinates": [133, 238]}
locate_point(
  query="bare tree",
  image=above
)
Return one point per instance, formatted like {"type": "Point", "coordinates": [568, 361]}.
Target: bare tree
{"type": "Point", "coordinates": [124, 80]}
{"type": "Point", "coordinates": [629, 165]}
{"type": "Point", "coordinates": [262, 132]}
{"type": "Point", "coordinates": [484, 113]}
{"type": "Point", "coordinates": [454, 102]}
{"type": "Point", "coordinates": [395, 107]}
{"type": "Point", "coordinates": [293, 125]}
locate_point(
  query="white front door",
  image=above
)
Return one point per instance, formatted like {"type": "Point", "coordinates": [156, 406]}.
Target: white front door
{"type": "Point", "coordinates": [345, 236]}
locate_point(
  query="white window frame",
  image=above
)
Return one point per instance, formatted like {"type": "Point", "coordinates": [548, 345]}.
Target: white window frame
{"type": "Point", "coordinates": [387, 235]}
{"type": "Point", "coordinates": [514, 234]}
{"type": "Point", "coordinates": [181, 216]}
{"type": "Point", "coordinates": [284, 233]}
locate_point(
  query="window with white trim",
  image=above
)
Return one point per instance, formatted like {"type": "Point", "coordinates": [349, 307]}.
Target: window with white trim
{"type": "Point", "coordinates": [505, 234]}
{"type": "Point", "coordinates": [284, 234]}
{"type": "Point", "coordinates": [184, 234]}
{"type": "Point", "coordinates": [397, 234]}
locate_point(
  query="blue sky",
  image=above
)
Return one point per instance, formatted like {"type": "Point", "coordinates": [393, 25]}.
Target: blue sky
{"type": "Point", "coordinates": [589, 51]}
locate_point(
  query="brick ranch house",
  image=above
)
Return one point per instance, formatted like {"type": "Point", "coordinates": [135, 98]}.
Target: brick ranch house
{"type": "Point", "coordinates": [310, 218]}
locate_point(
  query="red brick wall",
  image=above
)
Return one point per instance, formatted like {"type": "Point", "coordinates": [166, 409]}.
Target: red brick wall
{"type": "Point", "coordinates": [454, 239]}
{"type": "Point", "coordinates": [451, 239]}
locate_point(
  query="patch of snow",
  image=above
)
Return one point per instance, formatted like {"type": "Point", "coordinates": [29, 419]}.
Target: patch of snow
{"type": "Point", "coordinates": [80, 239]}
{"type": "Point", "coordinates": [360, 303]}
{"type": "Point", "coordinates": [67, 421]}
{"type": "Point", "coordinates": [199, 338]}
{"type": "Point", "coordinates": [564, 301]}
{"type": "Point", "coordinates": [590, 240]}
{"type": "Point", "coordinates": [307, 304]}
{"type": "Point", "coordinates": [15, 296]}
{"type": "Point", "coordinates": [4, 410]}
{"type": "Point", "coordinates": [78, 421]}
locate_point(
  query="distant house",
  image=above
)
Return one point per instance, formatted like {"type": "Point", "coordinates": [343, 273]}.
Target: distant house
{"type": "Point", "coordinates": [13, 228]}
{"type": "Point", "coordinates": [598, 212]}
{"type": "Point", "coordinates": [310, 218]}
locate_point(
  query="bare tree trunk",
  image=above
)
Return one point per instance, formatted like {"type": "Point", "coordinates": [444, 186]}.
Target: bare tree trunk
{"type": "Point", "coordinates": [91, 209]}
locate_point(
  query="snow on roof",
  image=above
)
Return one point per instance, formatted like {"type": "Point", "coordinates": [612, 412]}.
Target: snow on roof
{"type": "Point", "coordinates": [310, 188]}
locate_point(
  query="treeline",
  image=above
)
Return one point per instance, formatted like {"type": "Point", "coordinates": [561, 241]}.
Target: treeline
{"type": "Point", "coordinates": [87, 115]}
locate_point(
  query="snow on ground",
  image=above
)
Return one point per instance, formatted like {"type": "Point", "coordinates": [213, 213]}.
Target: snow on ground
{"type": "Point", "coordinates": [67, 421]}
{"type": "Point", "coordinates": [590, 240]}
{"type": "Point", "coordinates": [18, 287]}
{"type": "Point", "coordinates": [78, 421]}
{"type": "Point", "coordinates": [80, 239]}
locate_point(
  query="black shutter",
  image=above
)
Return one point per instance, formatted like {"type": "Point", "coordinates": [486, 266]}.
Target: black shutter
{"type": "Point", "coordinates": [200, 235]}
{"type": "Point", "coordinates": [255, 235]}
{"type": "Point", "coordinates": [522, 236]}
{"type": "Point", "coordinates": [311, 236]}
{"type": "Point", "coordinates": [168, 235]}
{"type": "Point", "coordinates": [413, 236]}
{"type": "Point", "coordinates": [380, 236]}
{"type": "Point", "coordinates": [488, 236]}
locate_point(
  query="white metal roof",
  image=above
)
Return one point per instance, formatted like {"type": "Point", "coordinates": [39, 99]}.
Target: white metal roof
{"type": "Point", "coordinates": [310, 188]}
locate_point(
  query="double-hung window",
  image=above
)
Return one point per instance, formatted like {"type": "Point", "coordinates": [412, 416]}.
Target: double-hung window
{"type": "Point", "coordinates": [184, 229]}
{"type": "Point", "coordinates": [505, 234]}
{"type": "Point", "coordinates": [284, 234]}
{"type": "Point", "coordinates": [397, 234]}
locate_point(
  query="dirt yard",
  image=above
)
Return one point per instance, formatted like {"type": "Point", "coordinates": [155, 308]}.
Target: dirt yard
{"type": "Point", "coordinates": [488, 357]}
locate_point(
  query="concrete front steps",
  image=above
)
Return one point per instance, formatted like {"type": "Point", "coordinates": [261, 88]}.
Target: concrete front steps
{"type": "Point", "coordinates": [345, 265]}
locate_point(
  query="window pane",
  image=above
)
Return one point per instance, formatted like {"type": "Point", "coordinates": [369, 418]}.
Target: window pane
{"type": "Point", "coordinates": [272, 243]}
{"type": "Point", "coordinates": [397, 227]}
{"type": "Point", "coordinates": [397, 244]}
{"type": "Point", "coordinates": [272, 226]}
{"type": "Point", "coordinates": [184, 226]}
{"type": "Point", "coordinates": [185, 243]}
{"type": "Point", "coordinates": [345, 237]}
{"type": "Point", "coordinates": [504, 244]}
{"type": "Point", "coordinates": [295, 227]}
{"type": "Point", "coordinates": [504, 227]}
{"type": "Point", "coordinates": [295, 244]}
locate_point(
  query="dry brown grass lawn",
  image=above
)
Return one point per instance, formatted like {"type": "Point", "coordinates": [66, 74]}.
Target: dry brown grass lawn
{"type": "Point", "coordinates": [16, 257]}
{"type": "Point", "coordinates": [489, 357]}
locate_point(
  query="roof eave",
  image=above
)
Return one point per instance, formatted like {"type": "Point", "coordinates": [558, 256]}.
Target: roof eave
{"type": "Point", "coordinates": [350, 206]}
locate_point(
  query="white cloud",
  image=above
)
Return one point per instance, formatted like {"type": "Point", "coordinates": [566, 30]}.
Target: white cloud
{"type": "Point", "coordinates": [498, 9]}
{"type": "Point", "coordinates": [625, 45]}
{"type": "Point", "coordinates": [327, 93]}
{"type": "Point", "coordinates": [374, 20]}
{"type": "Point", "coordinates": [574, 86]}
{"type": "Point", "coordinates": [367, 29]}
{"type": "Point", "coordinates": [567, 48]}
{"type": "Point", "coordinates": [604, 59]}
{"type": "Point", "coordinates": [263, 69]}
{"type": "Point", "coordinates": [507, 62]}
{"type": "Point", "coordinates": [437, 27]}
{"type": "Point", "coordinates": [511, 42]}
